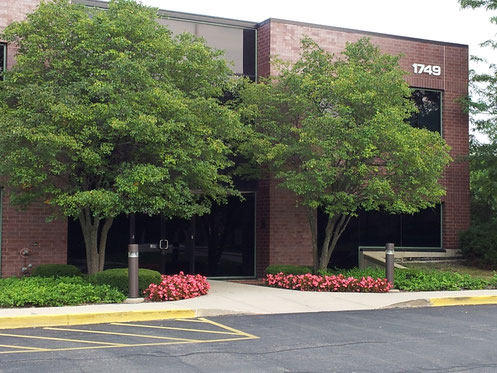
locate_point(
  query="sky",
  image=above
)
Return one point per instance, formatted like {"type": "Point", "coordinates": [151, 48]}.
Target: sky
{"type": "Point", "coordinates": [440, 20]}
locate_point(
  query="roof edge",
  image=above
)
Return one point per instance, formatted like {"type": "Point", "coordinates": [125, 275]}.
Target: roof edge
{"type": "Point", "coordinates": [254, 25]}
{"type": "Point", "coordinates": [370, 33]}
{"type": "Point", "coordinates": [181, 15]}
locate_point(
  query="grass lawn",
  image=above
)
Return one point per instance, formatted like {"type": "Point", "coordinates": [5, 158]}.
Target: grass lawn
{"type": "Point", "coordinates": [458, 267]}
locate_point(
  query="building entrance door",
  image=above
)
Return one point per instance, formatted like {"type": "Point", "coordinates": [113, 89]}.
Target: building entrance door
{"type": "Point", "coordinates": [218, 244]}
{"type": "Point", "coordinates": [165, 245]}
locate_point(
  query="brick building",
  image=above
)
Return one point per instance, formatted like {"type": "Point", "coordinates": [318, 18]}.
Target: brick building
{"type": "Point", "coordinates": [267, 228]}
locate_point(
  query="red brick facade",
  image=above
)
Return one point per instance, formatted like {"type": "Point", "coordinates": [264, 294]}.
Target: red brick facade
{"type": "Point", "coordinates": [29, 229]}
{"type": "Point", "coordinates": [282, 229]}
{"type": "Point", "coordinates": [287, 227]}
{"type": "Point", "coordinates": [47, 242]}
{"type": "Point", "coordinates": [11, 11]}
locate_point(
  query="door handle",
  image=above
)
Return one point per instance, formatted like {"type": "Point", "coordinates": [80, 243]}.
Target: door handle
{"type": "Point", "coordinates": [163, 244]}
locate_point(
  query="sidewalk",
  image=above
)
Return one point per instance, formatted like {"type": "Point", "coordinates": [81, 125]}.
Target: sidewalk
{"type": "Point", "coordinates": [227, 298]}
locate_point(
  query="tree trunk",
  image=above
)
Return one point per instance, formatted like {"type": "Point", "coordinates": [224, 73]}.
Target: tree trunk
{"type": "Point", "coordinates": [334, 228]}
{"type": "Point", "coordinates": [103, 243]}
{"type": "Point", "coordinates": [95, 247]}
{"type": "Point", "coordinates": [312, 218]}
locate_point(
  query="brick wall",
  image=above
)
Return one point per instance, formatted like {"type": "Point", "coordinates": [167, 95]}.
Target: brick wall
{"type": "Point", "coordinates": [263, 49]}
{"type": "Point", "coordinates": [11, 11]}
{"type": "Point", "coordinates": [29, 229]}
{"type": "Point", "coordinates": [287, 232]}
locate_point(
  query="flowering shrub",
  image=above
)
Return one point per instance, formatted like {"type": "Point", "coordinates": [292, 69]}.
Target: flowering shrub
{"type": "Point", "coordinates": [177, 287]}
{"type": "Point", "coordinates": [309, 282]}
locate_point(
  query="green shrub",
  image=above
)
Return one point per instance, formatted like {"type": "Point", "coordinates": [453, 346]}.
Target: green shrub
{"type": "Point", "coordinates": [55, 270]}
{"type": "Point", "coordinates": [420, 280]}
{"type": "Point", "coordinates": [479, 245]}
{"type": "Point", "coordinates": [355, 272]}
{"type": "Point", "coordinates": [50, 291]}
{"type": "Point", "coordinates": [288, 269]}
{"type": "Point", "coordinates": [118, 278]}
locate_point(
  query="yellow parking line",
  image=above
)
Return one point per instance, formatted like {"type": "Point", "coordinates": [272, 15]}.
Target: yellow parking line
{"type": "Point", "coordinates": [199, 341]}
{"type": "Point", "coordinates": [189, 320]}
{"type": "Point", "coordinates": [124, 346]}
{"type": "Point", "coordinates": [61, 339]}
{"type": "Point", "coordinates": [238, 335]}
{"type": "Point", "coordinates": [90, 347]}
{"type": "Point", "coordinates": [22, 347]}
{"type": "Point", "coordinates": [122, 334]}
{"type": "Point", "coordinates": [238, 332]}
{"type": "Point", "coordinates": [171, 328]}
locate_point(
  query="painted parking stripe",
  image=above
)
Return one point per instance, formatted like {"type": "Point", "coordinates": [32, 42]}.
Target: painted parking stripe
{"type": "Point", "coordinates": [239, 332]}
{"type": "Point", "coordinates": [172, 328]}
{"type": "Point", "coordinates": [121, 334]}
{"type": "Point", "coordinates": [21, 347]}
{"type": "Point", "coordinates": [91, 347]}
{"type": "Point", "coordinates": [206, 321]}
{"type": "Point", "coordinates": [124, 346]}
{"type": "Point", "coordinates": [238, 335]}
{"type": "Point", "coordinates": [61, 339]}
{"type": "Point", "coordinates": [190, 320]}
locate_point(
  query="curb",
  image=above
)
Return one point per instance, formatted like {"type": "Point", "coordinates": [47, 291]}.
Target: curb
{"type": "Point", "coordinates": [463, 301]}
{"type": "Point", "coordinates": [32, 321]}
{"type": "Point", "coordinates": [445, 302]}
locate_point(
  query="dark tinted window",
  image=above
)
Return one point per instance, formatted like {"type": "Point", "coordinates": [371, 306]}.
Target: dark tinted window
{"type": "Point", "coordinates": [429, 104]}
{"type": "Point", "coordinates": [376, 228]}
{"type": "Point", "coordinates": [3, 59]}
{"type": "Point", "coordinates": [220, 244]}
{"type": "Point", "coordinates": [238, 44]}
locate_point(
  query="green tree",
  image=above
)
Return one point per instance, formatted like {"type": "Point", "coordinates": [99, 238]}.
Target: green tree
{"type": "Point", "coordinates": [334, 131]}
{"type": "Point", "coordinates": [487, 4]}
{"type": "Point", "coordinates": [482, 106]}
{"type": "Point", "coordinates": [108, 113]}
{"type": "Point", "coordinates": [483, 179]}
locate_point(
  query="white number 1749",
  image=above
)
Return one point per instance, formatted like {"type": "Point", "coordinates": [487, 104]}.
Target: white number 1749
{"type": "Point", "coordinates": [420, 68]}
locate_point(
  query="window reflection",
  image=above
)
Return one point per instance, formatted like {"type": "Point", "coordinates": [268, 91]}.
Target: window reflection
{"type": "Point", "coordinates": [429, 106]}
{"type": "Point", "coordinates": [376, 228]}
{"type": "Point", "coordinates": [238, 44]}
{"type": "Point", "coordinates": [3, 60]}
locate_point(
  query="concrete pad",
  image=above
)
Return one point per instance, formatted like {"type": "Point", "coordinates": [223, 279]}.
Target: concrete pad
{"type": "Point", "coordinates": [235, 298]}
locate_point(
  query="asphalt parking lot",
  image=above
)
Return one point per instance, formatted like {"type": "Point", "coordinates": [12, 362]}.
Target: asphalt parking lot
{"type": "Point", "coordinates": [117, 336]}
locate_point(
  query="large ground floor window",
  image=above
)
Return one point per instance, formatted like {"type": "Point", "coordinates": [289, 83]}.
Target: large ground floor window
{"type": "Point", "coordinates": [219, 244]}
{"type": "Point", "coordinates": [421, 231]}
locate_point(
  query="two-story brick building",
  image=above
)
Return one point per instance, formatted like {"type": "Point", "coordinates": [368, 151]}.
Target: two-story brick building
{"type": "Point", "coordinates": [267, 227]}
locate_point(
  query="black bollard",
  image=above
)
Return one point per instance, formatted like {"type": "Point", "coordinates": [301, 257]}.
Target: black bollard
{"type": "Point", "coordinates": [389, 264]}
{"type": "Point", "coordinates": [133, 270]}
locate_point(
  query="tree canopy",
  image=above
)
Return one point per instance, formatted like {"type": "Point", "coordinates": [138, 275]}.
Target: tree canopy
{"type": "Point", "coordinates": [483, 106]}
{"type": "Point", "coordinates": [487, 4]}
{"type": "Point", "coordinates": [108, 113]}
{"type": "Point", "coordinates": [334, 130]}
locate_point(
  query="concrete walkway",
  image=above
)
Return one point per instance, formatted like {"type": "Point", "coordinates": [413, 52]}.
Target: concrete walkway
{"type": "Point", "coordinates": [235, 298]}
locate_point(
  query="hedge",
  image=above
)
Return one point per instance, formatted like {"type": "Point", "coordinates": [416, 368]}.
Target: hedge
{"type": "Point", "coordinates": [55, 270]}
{"type": "Point", "coordinates": [118, 278]}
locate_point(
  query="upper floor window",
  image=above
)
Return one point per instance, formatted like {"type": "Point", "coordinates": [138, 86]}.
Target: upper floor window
{"type": "Point", "coordinates": [3, 59]}
{"type": "Point", "coordinates": [429, 104]}
{"type": "Point", "coordinates": [237, 43]}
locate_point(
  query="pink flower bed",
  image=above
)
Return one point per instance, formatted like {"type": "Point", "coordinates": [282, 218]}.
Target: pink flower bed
{"type": "Point", "coordinates": [311, 282]}
{"type": "Point", "coordinates": [177, 287]}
